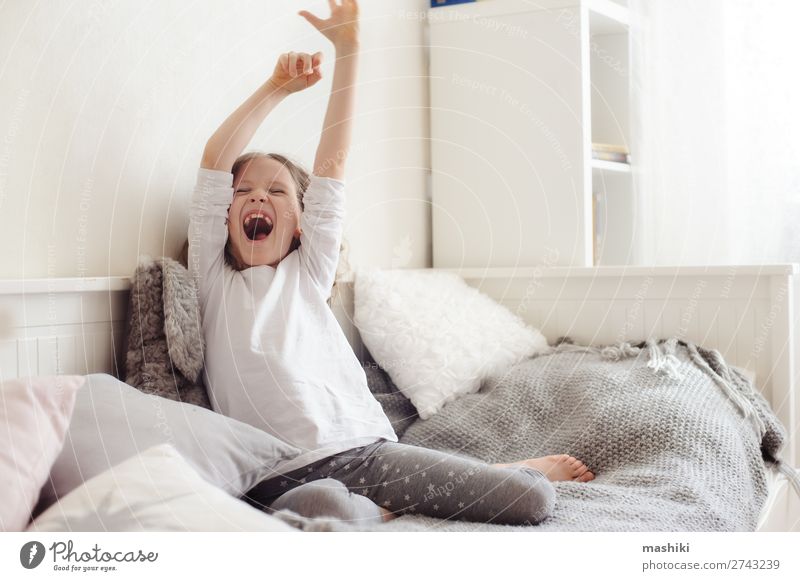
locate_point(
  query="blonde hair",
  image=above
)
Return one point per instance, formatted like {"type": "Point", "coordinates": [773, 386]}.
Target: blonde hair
{"type": "Point", "coordinates": [302, 179]}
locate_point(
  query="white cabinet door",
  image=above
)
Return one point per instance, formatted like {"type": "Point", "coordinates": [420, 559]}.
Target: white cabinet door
{"type": "Point", "coordinates": [509, 142]}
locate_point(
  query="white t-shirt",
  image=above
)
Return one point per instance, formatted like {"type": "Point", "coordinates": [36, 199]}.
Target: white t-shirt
{"type": "Point", "coordinates": [276, 357]}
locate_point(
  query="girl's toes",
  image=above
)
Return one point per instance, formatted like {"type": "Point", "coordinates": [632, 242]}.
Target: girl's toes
{"type": "Point", "coordinates": [576, 464]}
{"type": "Point", "coordinates": [581, 470]}
{"type": "Point", "coordinates": [585, 477]}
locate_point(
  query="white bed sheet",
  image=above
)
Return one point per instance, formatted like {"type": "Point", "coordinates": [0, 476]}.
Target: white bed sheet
{"type": "Point", "coordinates": [781, 511]}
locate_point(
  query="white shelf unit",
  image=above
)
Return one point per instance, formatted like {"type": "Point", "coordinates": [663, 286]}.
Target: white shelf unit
{"type": "Point", "coordinates": [612, 183]}
{"type": "Point", "coordinates": [599, 166]}
{"type": "Point", "coordinates": [519, 91]}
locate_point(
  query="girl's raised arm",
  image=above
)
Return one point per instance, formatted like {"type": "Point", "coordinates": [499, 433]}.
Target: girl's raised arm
{"type": "Point", "coordinates": [342, 30]}
{"type": "Point", "coordinates": [208, 212]}
{"type": "Point", "coordinates": [293, 72]}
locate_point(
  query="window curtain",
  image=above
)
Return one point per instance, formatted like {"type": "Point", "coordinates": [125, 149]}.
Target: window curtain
{"type": "Point", "coordinates": [715, 145]}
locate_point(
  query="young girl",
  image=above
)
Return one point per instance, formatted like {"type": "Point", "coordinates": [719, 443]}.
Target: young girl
{"type": "Point", "coordinates": [264, 239]}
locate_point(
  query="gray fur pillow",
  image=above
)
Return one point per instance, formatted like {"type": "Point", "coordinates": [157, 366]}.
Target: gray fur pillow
{"type": "Point", "coordinates": [165, 339]}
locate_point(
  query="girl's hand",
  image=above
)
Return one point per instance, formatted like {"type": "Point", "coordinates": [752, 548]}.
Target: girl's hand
{"type": "Point", "coordinates": [296, 71]}
{"type": "Point", "coordinates": [342, 27]}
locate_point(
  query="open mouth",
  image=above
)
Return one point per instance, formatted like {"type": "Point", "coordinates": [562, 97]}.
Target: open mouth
{"type": "Point", "coordinates": [257, 226]}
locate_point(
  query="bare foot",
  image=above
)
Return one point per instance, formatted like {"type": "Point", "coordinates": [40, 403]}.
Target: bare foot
{"type": "Point", "coordinates": [387, 514]}
{"type": "Point", "coordinates": [559, 467]}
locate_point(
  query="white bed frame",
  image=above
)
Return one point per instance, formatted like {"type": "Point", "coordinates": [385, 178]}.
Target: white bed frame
{"type": "Point", "coordinates": [748, 313]}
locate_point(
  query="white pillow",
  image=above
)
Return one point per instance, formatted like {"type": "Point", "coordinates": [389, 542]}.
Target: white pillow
{"type": "Point", "coordinates": [437, 337]}
{"type": "Point", "coordinates": [156, 490]}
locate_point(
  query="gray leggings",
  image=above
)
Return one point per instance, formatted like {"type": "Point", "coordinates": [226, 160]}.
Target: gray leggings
{"type": "Point", "coordinates": [407, 479]}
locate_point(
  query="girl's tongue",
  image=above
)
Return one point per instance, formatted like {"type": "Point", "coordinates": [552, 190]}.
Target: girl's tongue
{"type": "Point", "coordinates": [257, 228]}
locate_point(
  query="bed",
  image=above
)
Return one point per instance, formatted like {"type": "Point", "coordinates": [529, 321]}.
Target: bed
{"type": "Point", "coordinates": [746, 313]}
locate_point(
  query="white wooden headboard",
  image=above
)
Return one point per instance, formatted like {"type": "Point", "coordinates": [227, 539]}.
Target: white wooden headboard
{"type": "Point", "coordinates": [748, 313]}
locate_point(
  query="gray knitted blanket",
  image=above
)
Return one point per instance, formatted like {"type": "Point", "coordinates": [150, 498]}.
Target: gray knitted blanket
{"type": "Point", "coordinates": [676, 438]}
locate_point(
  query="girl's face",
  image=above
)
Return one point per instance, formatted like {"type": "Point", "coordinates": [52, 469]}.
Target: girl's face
{"type": "Point", "coordinates": [264, 215]}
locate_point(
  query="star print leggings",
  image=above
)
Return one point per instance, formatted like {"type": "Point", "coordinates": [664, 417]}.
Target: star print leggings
{"type": "Point", "coordinates": [407, 479]}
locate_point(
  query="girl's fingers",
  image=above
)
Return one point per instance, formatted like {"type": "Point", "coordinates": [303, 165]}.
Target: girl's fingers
{"type": "Point", "coordinates": [306, 63]}
{"type": "Point", "coordinates": [315, 22]}
{"type": "Point", "coordinates": [301, 64]}
{"type": "Point", "coordinates": [352, 7]}
{"type": "Point", "coordinates": [332, 4]}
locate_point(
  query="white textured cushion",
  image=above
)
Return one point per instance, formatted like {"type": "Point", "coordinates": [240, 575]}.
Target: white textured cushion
{"type": "Point", "coordinates": [156, 490]}
{"type": "Point", "coordinates": [437, 337]}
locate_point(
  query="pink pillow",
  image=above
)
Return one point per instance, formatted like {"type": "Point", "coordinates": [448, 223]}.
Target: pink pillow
{"type": "Point", "coordinates": [34, 417]}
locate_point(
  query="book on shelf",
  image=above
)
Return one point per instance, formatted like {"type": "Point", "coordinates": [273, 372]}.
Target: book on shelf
{"type": "Point", "coordinates": [609, 152]}
{"type": "Point", "coordinates": [609, 147]}
{"type": "Point", "coordinates": [617, 157]}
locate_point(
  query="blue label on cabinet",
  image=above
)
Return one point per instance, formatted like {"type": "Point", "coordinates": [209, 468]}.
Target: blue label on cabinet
{"type": "Point", "coordinates": [437, 3]}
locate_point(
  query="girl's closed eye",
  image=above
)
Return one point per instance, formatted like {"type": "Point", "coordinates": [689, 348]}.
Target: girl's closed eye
{"type": "Point", "coordinates": [245, 191]}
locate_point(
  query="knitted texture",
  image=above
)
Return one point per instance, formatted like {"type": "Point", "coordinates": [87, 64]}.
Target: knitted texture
{"type": "Point", "coordinates": [165, 341]}
{"type": "Point", "coordinates": [397, 407]}
{"type": "Point", "coordinates": [671, 449]}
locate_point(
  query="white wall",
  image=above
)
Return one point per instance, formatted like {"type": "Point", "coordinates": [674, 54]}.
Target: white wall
{"type": "Point", "coordinates": [105, 108]}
